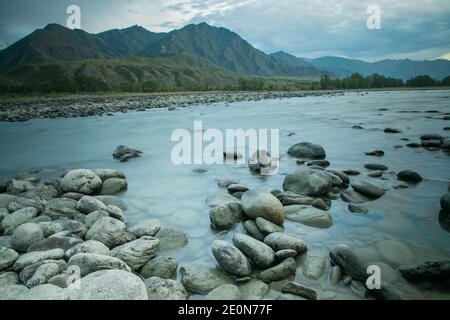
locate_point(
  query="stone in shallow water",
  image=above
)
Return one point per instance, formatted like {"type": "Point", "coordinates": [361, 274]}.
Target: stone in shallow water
{"type": "Point", "coordinates": [217, 199]}
{"type": "Point", "coordinates": [254, 290]}
{"type": "Point", "coordinates": [309, 182]}
{"type": "Point", "coordinates": [445, 202]}
{"type": "Point", "coordinates": [376, 166]}
{"type": "Point", "coordinates": [202, 279]}
{"type": "Point", "coordinates": [279, 272]}
{"type": "Point", "coordinates": [252, 229]}
{"type": "Point", "coordinates": [357, 209]}
{"type": "Point", "coordinates": [299, 290]}
{"type": "Point", "coordinates": [258, 252]}
{"type": "Point", "coordinates": [225, 292]}
{"type": "Point", "coordinates": [145, 228]}
{"type": "Point", "coordinates": [231, 259]}
{"type": "Point", "coordinates": [281, 241]}
{"type": "Point", "coordinates": [105, 174]}
{"type": "Point", "coordinates": [395, 252]}
{"type": "Point", "coordinates": [430, 270]}
{"type": "Point", "coordinates": [89, 204]}
{"type": "Point", "coordinates": [267, 227]}
{"type": "Point", "coordinates": [113, 186]}
{"type": "Point", "coordinates": [313, 266]}
{"type": "Point", "coordinates": [111, 232]}
{"type": "Point", "coordinates": [165, 289]}
{"type": "Point", "coordinates": [171, 239]}
{"type": "Point", "coordinates": [409, 176]}
{"type": "Point", "coordinates": [368, 189]}
{"type": "Point", "coordinates": [344, 257]}
{"type": "Point", "coordinates": [262, 204]}
{"type": "Point", "coordinates": [226, 215]}
{"type": "Point", "coordinates": [309, 216]}
{"type": "Point", "coordinates": [124, 153]}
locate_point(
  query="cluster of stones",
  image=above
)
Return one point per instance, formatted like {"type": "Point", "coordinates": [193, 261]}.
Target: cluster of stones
{"type": "Point", "coordinates": [68, 240]}
{"type": "Point", "coordinates": [267, 254]}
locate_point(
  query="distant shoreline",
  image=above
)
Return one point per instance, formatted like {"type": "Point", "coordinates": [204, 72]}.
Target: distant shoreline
{"type": "Point", "coordinates": [26, 107]}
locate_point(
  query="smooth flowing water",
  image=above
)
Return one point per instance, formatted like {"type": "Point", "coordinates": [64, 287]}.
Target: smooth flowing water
{"type": "Point", "coordinates": [176, 195]}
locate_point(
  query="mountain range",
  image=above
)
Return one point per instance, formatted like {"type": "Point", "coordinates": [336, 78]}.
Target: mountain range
{"type": "Point", "coordinates": [177, 58]}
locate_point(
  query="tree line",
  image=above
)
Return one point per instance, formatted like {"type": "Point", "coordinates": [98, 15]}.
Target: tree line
{"type": "Point", "coordinates": [357, 81]}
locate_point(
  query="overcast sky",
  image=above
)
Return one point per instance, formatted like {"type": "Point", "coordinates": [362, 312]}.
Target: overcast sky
{"type": "Point", "coordinates": [415, 29]}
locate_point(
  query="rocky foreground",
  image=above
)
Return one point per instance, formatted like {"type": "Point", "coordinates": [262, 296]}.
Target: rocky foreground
{"type": "Point", "coordinates": [70, 238]}
{"type": "Point", "coordinates": [24, 109]}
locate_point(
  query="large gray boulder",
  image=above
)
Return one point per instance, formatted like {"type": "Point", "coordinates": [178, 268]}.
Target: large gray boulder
{"type": "Point", "coordinates": [309, 182]}
{"type": "Point", "coordinates": [113, 186]}
{"type": "Point", "coordinates": [161, 267]}
{"type": "Point", "coordinates": [90, 262]}
{"type": "Point", "coordinates": [105, 174]}
{"type": "Point", "coordinates": [145, 228]}
{"type": "Point", "coordinates": [308, 216]}
{"type": "Point", "coordinates": [111, 285]}
{"type": "Point", "coordinates": [262, 204]}
{"type": "Point", "coordinates": [62, 208]}
{"type": "Point", "coordinates": [89, 204]}
{"type": "Point", "coordinates": [282, 241]}
{"type": "Point", "coordinates": [368, 189]}
{"type": "Point", "coordinates": [165, 289]}
{"type": "Point", "coordinates": [90, 246]}
{"type": "Point", "coordinates": [202, 279]}
{"type": "Point", "coordinates": [231, 259]}
{"type": "Point", "coordinates": [343, 256]}
{"type": "Point", "coordinates": [138, 252]}
{"type": "Point", "coordinates": [307, 150]}
{"type": "Point", "coordinates": [111, 232]}
{"type": "Point", "coordinates": [81, 181]}
{"type": "Point", "coordinates": [25, 235]}
{"type": "Point", "coordinates": [7, 257]}
{"type": "Point", "coordinates": [17, 218]}
{"type": "Point", "coordinates": [226, 215]}
{"type": "Point", "coordinates": [30, 258]}
{"type": "Point", "coordinates": [260, 254]}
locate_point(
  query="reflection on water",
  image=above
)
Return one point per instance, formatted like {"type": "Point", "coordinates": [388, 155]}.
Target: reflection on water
{"type": "Point", "coordinates": [175, 194]}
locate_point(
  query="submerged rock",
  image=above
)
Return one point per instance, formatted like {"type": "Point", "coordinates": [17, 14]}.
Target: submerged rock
{"type": "Point", "coordinates": [445, 202]}
{"type": "Point", "coordinates": [279, 272]}
{"type": "Point", "coordinates": [162, 267]}
{"type": "Point", "coordinates": [427, 271]}
{"type": "Point", "coordinates": [145, 228]}
{"type": "Point", "coordinates": [395, 252]}
{"type": "Point", "coordinates": [357, 209]}
{"type": "Point", "coordinates": [254, 290]}
{"type": "Point", "coordinates": [113, 186]}
{"type": "Point", "coordinates": [171, 239]}
{"type": "Point", "coordinates": [299, 290]}
{"type": "Point", "coordinates": [138, 252]}
{"type": "Point", "coordinates": [344, 257]}
{"type": "Point", "coordinates": [309, 216]}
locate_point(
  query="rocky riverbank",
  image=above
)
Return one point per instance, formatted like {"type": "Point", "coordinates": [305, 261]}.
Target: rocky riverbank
{"type": "Point", "coordinates": [70, 238]}
{"type": "Point", "coordinates": [24, 109]}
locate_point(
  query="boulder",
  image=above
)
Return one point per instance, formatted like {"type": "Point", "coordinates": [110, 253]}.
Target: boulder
{"type": "Point", "coordinates": [409, 176]}
{"type": "Point", "coordinates": [260, 254]}
{"type": "Point", "coordinates": [368, 189]}
{"type": "Point", "coordinates": [90, 246]}
{"type": "Point", "coordinates": [113, 186]}
{"type": "Point", "coordinates": [395, 252]}
{"type": "Point", "coordinates": [165, 289]}
{"type": "Point", "coordinates": [307, 150]}
{"type": "Point", "coordinates": [105, 174]}
{"type": "Point", "coordinates": [202, 279]}
{"type": "Point", "coordinates": [26, 235]}
{"type": "Point", "coordinates": [308, 216]}
{"type": "Point", "coordinates": [138, 252]}
{"type": "Point", "coordinates": [254, 290]}
{"type": "Point", "coordinates": [227, 292]}
{"type": "Point", "coordinates": [226, 215]}
{"type": "Point", "coordinates": [145, 228]}
{"type": "Point", "coordinates": [40, 277]}
{"type": "Point", "coordinates": [81, 181]}
{"type": "Point", "coordinates": [299, 290]}
{"type": "Point", "coordinates": [343, 256]}
{"type": "Point", "coordinates": [89, 204]}
{"type": "Point", "coordinates": [445, 202]}
{"type": "Point", "coordinates": [90, 262]}
{"type": "Point", "coordinates": [7, 258]}
{"type": "Point", "coordinates": [252, 229]}
{"type": "Point", "coordinates": [161, 267]}
{"type": "Point", "coordinates": [55, 242]}
{"type": "Point", "coordinates": [218, 199]}
{"type": "Point", "coordinates": [113, 201]}
{"type": "Point", "coordinates": [281, 241]}
{"type": "Point", "coordinates": [111, 285]}
{"type": "Point", "coordinates": [279, 272]}
{"type": "Point", "coordinates": [261, 204]}
{"type": "Point", "coordinates": [267, 227]}
{"type": "Point", "coordinates": [171, 239]}
{"type": "Point", "coordinates": [427, 271]}
{"type": "Point", "coordinates": [62, 208]}
{"type": "Point", "coordinates": [45, 292]}
{"type": "Point", "coordinates": [231, 259]}
{"type": "Point", "coordinates": [309, 182]}
{"type": "Point", "coordinates": [30, 258]}
{"type": "Point", "coordinates": [17, 218]}
{"type": "Point", "coordinates": [111, 232]}
{"type": "Point", "coordinates": [124, 153]}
